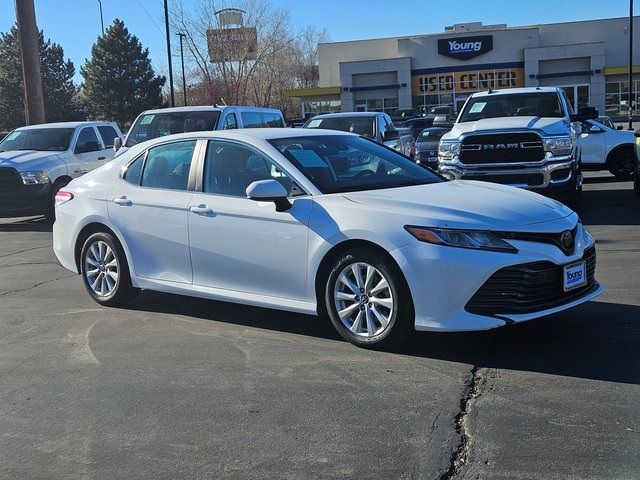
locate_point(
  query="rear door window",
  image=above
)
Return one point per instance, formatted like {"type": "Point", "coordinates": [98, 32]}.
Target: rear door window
{"type": "Point", "coordinates": [167, 166]}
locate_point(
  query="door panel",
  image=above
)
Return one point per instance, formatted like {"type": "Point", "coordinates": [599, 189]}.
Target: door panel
{"type": "Point", "coordinates": [594, 147]}
{"type": "Point", "coordinates": [240, 244]}
{"type": "Point", "coordinates": [153, 217]}
{"type": "Point", "coordinates": [247, 246]}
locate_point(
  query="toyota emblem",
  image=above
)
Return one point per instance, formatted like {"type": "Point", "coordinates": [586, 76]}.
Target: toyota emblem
{"type": "Point", "coordinates": [566, 239]}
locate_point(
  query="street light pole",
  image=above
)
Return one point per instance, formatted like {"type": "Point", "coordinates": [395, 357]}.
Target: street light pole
{"type": "Point", "coordinates": [101, 17]}
{"type": "Point", "coordinates": [166, 26]}
{"type": "Point", "coordinates": [184, 79]}
{"type": "Point", "coordinates": [630, 89]}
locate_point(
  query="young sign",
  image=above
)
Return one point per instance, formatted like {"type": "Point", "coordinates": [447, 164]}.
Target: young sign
{"type": "Point", "coordinates": [465, 48]}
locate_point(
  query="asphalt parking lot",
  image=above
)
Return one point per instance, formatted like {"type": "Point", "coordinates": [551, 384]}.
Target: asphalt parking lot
{"type": "Point", "coordinates": [175, 387]}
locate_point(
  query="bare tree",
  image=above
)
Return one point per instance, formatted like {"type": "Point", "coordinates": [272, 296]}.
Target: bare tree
{"type": "Point", "coordinates": [285, 57]}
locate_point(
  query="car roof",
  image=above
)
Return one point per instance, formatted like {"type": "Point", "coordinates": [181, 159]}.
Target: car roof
{"type": "Point", "coordinates": [65, 125]}
{"type": "Point", "coordinates": [247, 134]}
{"type": "Point", "coordinates": [207, 108]}
{"type": "Point", "coordinates": [510, 91]}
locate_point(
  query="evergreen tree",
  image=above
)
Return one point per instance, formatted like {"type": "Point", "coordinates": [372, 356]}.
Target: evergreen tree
{"type": "Point", "coordinates": [119, 81]}
{"type": "Point", "coordinates": [58, 88]}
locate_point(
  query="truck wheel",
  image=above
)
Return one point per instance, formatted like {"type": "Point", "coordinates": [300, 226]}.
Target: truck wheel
{"type": "Point", "coordinates": [621, 165]}
{"type": "Point", "coordinates": [636, 181]}
{"type": "Point", "coordinates": [50, 211]}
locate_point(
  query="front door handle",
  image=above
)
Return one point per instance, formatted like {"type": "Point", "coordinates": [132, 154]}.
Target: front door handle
{"type": "Point", "coordinates": [201, 209]}
{"type": "Point", "coordinates": [124, 201]}
{"type": "Point", "coordinates": [102, 158]}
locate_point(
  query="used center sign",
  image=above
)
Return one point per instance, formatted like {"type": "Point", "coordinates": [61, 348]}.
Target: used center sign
{"type": "Point", "coordinates": [465, 48]}
{"type": "Point", "coordinates": [470, 81]}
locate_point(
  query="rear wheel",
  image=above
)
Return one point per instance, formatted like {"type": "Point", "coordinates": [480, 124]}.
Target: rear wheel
{"type": "Point", "coordinates": [368, 300]}
{"type": "Point", "coordinates": [105, 271]}
{"type": "Point", "coordinates": [622, 164]}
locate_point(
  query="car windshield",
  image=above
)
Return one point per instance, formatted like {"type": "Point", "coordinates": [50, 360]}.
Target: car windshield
{"type": "Point", "coordinates": [439, 110]}
{"type": "Point", "coordinates": [345, 163]}
{"type": "Point", "coordinates": [431, 135]}
{"type": "Point", "coordinates": [154, 125]}
{"type": "Point", "coordinates": [360, 125]}
{"type": "Point", "coordinates": [41, 139]}
{"type": "Point", "coordinates": [535, 104]}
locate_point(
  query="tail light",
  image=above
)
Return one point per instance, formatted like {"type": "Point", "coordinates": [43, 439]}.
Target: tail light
{"type": "Point", "coordinates": [63, 196]}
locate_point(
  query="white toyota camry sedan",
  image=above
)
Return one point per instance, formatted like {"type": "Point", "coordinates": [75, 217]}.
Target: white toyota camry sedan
{"type": "Point", "coordinates": [321, 222]}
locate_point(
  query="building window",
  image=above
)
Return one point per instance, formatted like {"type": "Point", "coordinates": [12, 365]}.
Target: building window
{"type": "Point", "coordinates": [387, 105]}
{"type": "Point", "coordinates": [616, 98]}
{"type": "Point", "coordinates": [578, 95]}
{"type": "Point", "coordinates": [321, 106]}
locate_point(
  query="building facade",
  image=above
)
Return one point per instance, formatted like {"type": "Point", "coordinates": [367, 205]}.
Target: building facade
{"type": "Point", "coordinates": [589, 59]}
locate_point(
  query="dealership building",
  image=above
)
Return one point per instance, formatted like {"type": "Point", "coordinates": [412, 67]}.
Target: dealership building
{"type": "Point", "coordinates": [589, 59]}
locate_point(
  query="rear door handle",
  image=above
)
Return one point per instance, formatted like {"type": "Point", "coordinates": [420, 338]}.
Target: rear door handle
{"type": "Point", "coordinates": [201, 209]}
{"type": "Point", "coordinates": [102, 158]}
{"type": "Point", "coordinates": [124, 201]}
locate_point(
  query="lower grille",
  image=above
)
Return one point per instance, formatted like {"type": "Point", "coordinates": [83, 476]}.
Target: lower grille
{"type": "Point", "coordinates": [527, 288]}
{"type": "Point", "coordinates": [10, 180]}
{"type": "Point", "coordinates": [531, 179]}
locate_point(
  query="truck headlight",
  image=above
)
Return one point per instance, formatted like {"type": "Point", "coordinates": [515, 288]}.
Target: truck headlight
{"type": "Point", "coordinates": [474, 239]}
{"type": "Point", "coordinates": [34, 177]}
{"type": "Point", "coordinates": [559, 145]}
{"type": "Point", "coordinates": [448, 149]}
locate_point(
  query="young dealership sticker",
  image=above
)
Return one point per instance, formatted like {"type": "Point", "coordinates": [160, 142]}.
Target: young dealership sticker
{"type": "Point", "coordinates": [575, 275]}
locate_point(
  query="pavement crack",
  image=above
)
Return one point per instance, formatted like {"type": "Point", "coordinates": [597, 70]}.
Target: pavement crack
{"type": "Point", "coordinates": [9, 292]}
{"type": "Point", "coordinates": [460, 453]}
{"type": "Point", "coordinates": [25, 250]}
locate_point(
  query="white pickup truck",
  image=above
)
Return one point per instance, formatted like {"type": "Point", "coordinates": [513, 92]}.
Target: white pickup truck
{"type": "Point", "coordinates": [38, 160]}
{"type": "Point", "coordinates": [524, 137]}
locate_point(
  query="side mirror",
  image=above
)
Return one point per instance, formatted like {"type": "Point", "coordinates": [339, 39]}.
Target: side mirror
{"type": "Point", "coordinates": [88, 147]}
{"type": "Point", "coordinates": [637, 133]}
{"type": "Point", "coordinates": [390, 135]}
{"type": "Point", "coordinates": [584, 113]}
{"type": "Point", "coordinates": [117, 144]}
{"type": "Point", "coordinates": [269, 191]}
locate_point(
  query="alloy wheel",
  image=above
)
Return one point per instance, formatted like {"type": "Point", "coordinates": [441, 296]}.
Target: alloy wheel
{"type": "Point", "coordinates": [101, 269]}
{"type": "Point", "coordinates": [363, 299]}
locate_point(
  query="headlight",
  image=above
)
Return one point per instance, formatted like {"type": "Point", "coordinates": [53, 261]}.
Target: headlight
{"type": "Point", "coordinates": [448, 149]}
{"type": "Point", "coordinates": [559, 145]}
{"type": "Point", "coordinates": [475, 239]}
{"type": "Point", "coordinates": [34, 177]}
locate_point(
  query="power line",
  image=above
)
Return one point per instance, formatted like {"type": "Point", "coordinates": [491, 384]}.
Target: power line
{"type": "Point", "coordinates": [151, 18]}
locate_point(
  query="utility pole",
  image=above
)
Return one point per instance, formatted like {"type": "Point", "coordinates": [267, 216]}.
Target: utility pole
{"type": "Point", "coordinates": [166, 26]}
{"type": "Point", "coordinates": [630, 101]}
{"type": "Point", "coordinates": [30, 56]}
{"type": "Point", "coordinates": [101, 17]}
{"type": "Point", "coordinates": [184, 78]}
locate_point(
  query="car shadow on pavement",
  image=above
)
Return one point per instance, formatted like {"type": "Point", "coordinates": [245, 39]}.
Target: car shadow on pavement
{"type": "Point", "coordinates": [37, 224]}
{"type": "Point", "coordinates": [597, 340]}
{"type": "Point", "coordinates": [609, 207]}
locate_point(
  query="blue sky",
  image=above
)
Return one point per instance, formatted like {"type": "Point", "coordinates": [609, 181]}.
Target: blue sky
{"type": "Point", "coordinates": [76, 23]}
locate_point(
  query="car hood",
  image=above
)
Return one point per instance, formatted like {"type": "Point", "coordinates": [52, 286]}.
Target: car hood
{"type": "Point", "coordinates": [543, 125]}
{"type": "Point", "coordinates": [465, 204]}
{"type": "Point", "coordinates": [19, 159]}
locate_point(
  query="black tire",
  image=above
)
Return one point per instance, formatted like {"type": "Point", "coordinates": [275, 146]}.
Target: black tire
{"type": "Point", "coordinates": [50, 210]}
{"type": "Point", "coordinates": [123, 292]}
{"type": "Point", "coordinates": [400, 319]}
{"type": "Point", "coordinates": [636, 180]}
{"type": "Point", "coordinates": [621, 164]}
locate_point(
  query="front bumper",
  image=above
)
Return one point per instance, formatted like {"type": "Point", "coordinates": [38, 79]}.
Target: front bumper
{"type": "Point", "coordinates": [557, 174]}
{"type": "Point", "coordinates": [442, 280]}
{"type": "Point", "coordinates": [26, 201]}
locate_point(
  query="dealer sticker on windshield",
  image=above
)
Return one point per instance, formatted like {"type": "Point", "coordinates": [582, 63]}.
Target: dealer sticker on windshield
{"type": "Point", "coordinates": [575, 275]}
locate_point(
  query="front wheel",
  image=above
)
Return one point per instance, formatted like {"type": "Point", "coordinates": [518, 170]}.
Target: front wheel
{"type": "Point", "coordinates": [368, 300]}
{"type": "Point", "coordinates": [105, 271]}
